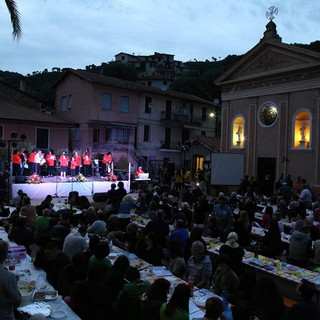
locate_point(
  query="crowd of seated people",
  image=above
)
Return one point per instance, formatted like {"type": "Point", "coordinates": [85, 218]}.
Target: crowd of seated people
{"type": "Point", "coordinates": [74, 253]}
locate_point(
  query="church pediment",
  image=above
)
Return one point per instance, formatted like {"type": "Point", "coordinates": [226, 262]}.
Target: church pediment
{"type": "Point", "coordinates": [269, 58]}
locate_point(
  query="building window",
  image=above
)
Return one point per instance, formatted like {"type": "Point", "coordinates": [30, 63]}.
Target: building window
{"type": "Point", "coordinates": [106, 101]}
{"type": "Point", "coordinates": [123, 57]}
{"type": "Point", "coordinates": [122, 135]}
{"type": "Point", "coordinates": [42, 141]}
{"type": "Point", "coordinates": [1, 132]}
{"type": "Point", "coordinates": [76, 134]}
{"type": "Point", "coordinates": [70, 101]}
{"type": "Point", "coordinates": [64, 103]}
{"type": "Point", "coordinates": [238, 133]}
{"type": "Point", "coordinates": [96, 134]}
{"type": "Point", "coordinates": [302, 129]}
{"type": "Point", "coordinates": [147, 105]}
{"type": "Point", "coordinates": [124, 104]}
{"type": "Point", "coordinates": [204, 114]}
{"type": "Point", "coordinates": [203, 133]}
{"type": "Point", "coordinates": [146, 133]}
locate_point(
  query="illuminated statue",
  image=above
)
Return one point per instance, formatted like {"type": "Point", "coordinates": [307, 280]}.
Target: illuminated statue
{"type": "Point", "coordinates": [303, 132]}
{"type": "Point", "coordinates": [239, 133]}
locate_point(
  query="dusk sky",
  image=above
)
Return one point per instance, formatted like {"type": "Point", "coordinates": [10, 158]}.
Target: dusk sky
{"type": "Point", "coordinates": [76, 33]}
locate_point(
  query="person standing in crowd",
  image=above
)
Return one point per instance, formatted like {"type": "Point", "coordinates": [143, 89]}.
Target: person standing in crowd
{"type": "Point", "coordinates": [107, 163]}
{"type": "Point", "coordinates": [77, 157]}
{"type": "Point", "coordinates": [37, 159]}
{"type": "Point", "coordinates": [51, 161]}
{"type": "Point", "coordinates": [10, 296]}
{"type": "Point", "coordinates": [64, 160]}
{"type": "Point", "coordinates": [73, 166]}
{"type": "Point", "coordinates": [31, 162]}
{"type": "Point", "coordinates": [16, 163]}
{"type": "Point", "coordinates": [86, 161]}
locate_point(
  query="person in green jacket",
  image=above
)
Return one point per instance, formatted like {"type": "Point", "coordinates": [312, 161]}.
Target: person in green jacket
{"type": "Point", "coordinates": [128, 302]}
{"type": "Point", "coordinates": [178, 306]}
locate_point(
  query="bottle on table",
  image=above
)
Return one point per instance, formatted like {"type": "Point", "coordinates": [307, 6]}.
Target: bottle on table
{"type": "Point", "coordinates": [126, 248]}
{"type": "Point", "coordinates": [191, 286]}
{"type": "Point", "coordinates": [284, 258]}
{"type": "Point", "coordinates": [12, 261]}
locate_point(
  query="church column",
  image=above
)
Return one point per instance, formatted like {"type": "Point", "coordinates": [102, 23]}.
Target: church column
{"type": "Point", "coordinates": [225, 126]}
{"type": "Point", "coordinates": [315, 144]}
{"type": "Point", "coordinates": [250, 153]}
{"type": "Point", "coordinates": [283, 139]}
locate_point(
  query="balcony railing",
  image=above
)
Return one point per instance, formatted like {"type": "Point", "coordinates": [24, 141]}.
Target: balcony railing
{"type": "Point", "coordinates": [169, 145]}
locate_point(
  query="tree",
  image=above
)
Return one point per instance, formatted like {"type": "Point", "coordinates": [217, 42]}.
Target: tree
{"type": "Point", "coordinates": [120, 70]}
{"type": "Point", "coordinates": [15, 18]}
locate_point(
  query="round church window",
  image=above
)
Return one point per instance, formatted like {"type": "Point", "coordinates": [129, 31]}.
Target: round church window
{"type": "Point", "coordinates": [267, 114]}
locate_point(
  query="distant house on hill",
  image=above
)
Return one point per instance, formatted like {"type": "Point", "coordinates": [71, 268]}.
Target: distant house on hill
{"type": "Point", "coordinates": [21, 120]}
{"type": "Point", "coordinates": [139, 124]}
{"type": "Point", "coordinates": [271, 109]}
{"type": "Point", "coordinates": [156, 70]}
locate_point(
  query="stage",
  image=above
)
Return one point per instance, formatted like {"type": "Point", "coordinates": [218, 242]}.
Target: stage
{"type": "Point", "coordinates": [61, 188]}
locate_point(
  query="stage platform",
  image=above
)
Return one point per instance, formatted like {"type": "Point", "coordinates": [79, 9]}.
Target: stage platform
{"type": "Point", "coordinates": [61, 188]}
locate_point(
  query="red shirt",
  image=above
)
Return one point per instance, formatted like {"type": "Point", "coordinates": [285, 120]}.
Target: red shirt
{"type": "Point", "coordinates": [86, 159]}
{"type": "Point", "coordinates": [73, 164]}
{"type": "Point", "coordinates": [107, 159]}
{"type": "Point", "coordinates": [138, 172]}
{"type": "Point", "coordinates": [16, 159]}
{"type": "Point", "coordinates": [50, 159]}
{"type": "Point", "coordinates": [78, 160]}
{"type": "Point", "coordinates": [64, 161]}
{"type": "Point", "coordinates": [31, 156]}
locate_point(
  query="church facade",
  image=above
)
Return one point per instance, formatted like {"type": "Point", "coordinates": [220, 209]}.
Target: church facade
{"type": "Point", "coordinates": [271, 109]}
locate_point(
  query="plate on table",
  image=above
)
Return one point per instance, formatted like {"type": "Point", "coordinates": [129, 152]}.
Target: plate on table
{"type": "Point", "coordinates": [139, 264]}
{"type": "Point", "coordinates": [37, 307]}
{"type": "Point", "coordinates": [45, 295]}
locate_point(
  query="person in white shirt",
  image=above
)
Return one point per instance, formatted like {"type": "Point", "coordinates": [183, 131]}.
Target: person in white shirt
{"type": "Point", "coordinates": [75, 242]}
{"type": "Point", "coordinates": [306, 197]}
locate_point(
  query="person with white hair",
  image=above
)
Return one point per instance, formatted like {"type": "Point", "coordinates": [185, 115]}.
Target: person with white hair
{"type": "Point", "coordinates": [199, 266]}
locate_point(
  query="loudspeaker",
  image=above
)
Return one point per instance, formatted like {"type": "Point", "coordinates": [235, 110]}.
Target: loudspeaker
{"type": "Point", "coordinates": [100, 197]}
{"type": "Point", "coordinates": [19, 179]}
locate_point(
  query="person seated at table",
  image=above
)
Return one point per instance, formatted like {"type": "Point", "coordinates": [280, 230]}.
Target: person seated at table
{"type": "Point", "coordinates": [153, 298]}
{"type": "Point", "coordinates": [195, 235]}
{"type": "Point", "coordinates": [29, 211]}
{"type": "Point", "coordinates": [180, 233]}
{"type": "Point", "coordinates": [99, 261]}
{"type": "Point", "coordinates": [75, 271]}
{"type": "Point", "coordinates": [271, 242]}
{"type": "Point", "coordinates": [154, 253]}
{"type": "Point", "coordinates": [242, 310]}
{"type": "Point", "coordinates": [92, 299]}
{"type": "Point", "coordinates": [45, 204]}
{"type": "Point", "coordinates": [58, 229]}
{"type": "Point", "coordinates": [21, 234]}
{"type": "Point", "coordinates": [305, 308]}
{"type": "Point", "coordinates": [178, 305]}
{"type": "Point", "coordinates": [223, 214]}
{"type": "Point", "coordinates": [300, 246]}
{"type": "Point", "coordinates": [136, 174]}
{"type": "Point", "coordinates": [266, 218]}
{"type": "Point", "coordinates": [140, 247]}
{"type": "Point", "coordinates": [247, 283]}
{"type": "Point", "coordinates": [214, 309]}
{"type": "Point", "coordinates": [159, 227]}
{"type": "Point", "coordinates": [175, 261]}
{"type": "Point", "coordinates": [42, 223]}
{"type": "Point", "coordinates": [98, 227]}
{"type": "Point", "coordinates": [199, 267]}
{"type": "Point", "coordinates": [234, 251]}
{"type": "Point", "coordinates": [225, 278]}
{"type": "Point", "coordinates": [250, 207]}
{"type": "Point", "coordinates": [75, 242]}
{"type": "Point", "coordinates": [201, 211]}
{"type": "Point", "coordinates": [50, 258]}
{"type": "Point", "coordinates": [242, 227]}
{"type": "Point", "coordinates": [115, 276]}
{"type": "Point", "coordinates": [120, 238]}
{"type": "Point", "coordinates": [267, 300]}
{"type": "Point", "coordinates": [120, 192]}
{"type": "Point", "coordinates": [10, 296]}
{"type": "Point", "coordinates": [128, 302]}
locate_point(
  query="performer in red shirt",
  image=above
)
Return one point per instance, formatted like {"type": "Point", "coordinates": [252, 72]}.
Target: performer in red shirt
{"type": "Point", "coordinates": [23, 157]}
{"type": "Point", "coordinates": [51, 161]}
{"type": "Point", "coordinates": [73, 166]}
{"type": "Point", "coordinates": [86, 161]}
{"type": "Point", "coordinates": [32, 162]}
{"type": "Point", "coordinates": [64, 160]}
{"type": "Point", "coordinates": [136, 174]}
{"type": "Point", "coordinates": [16, 164]}
{"type": "Point", "coordinates": [107, 163]}
{"type": "Point", "coordinates": [77, 158]}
